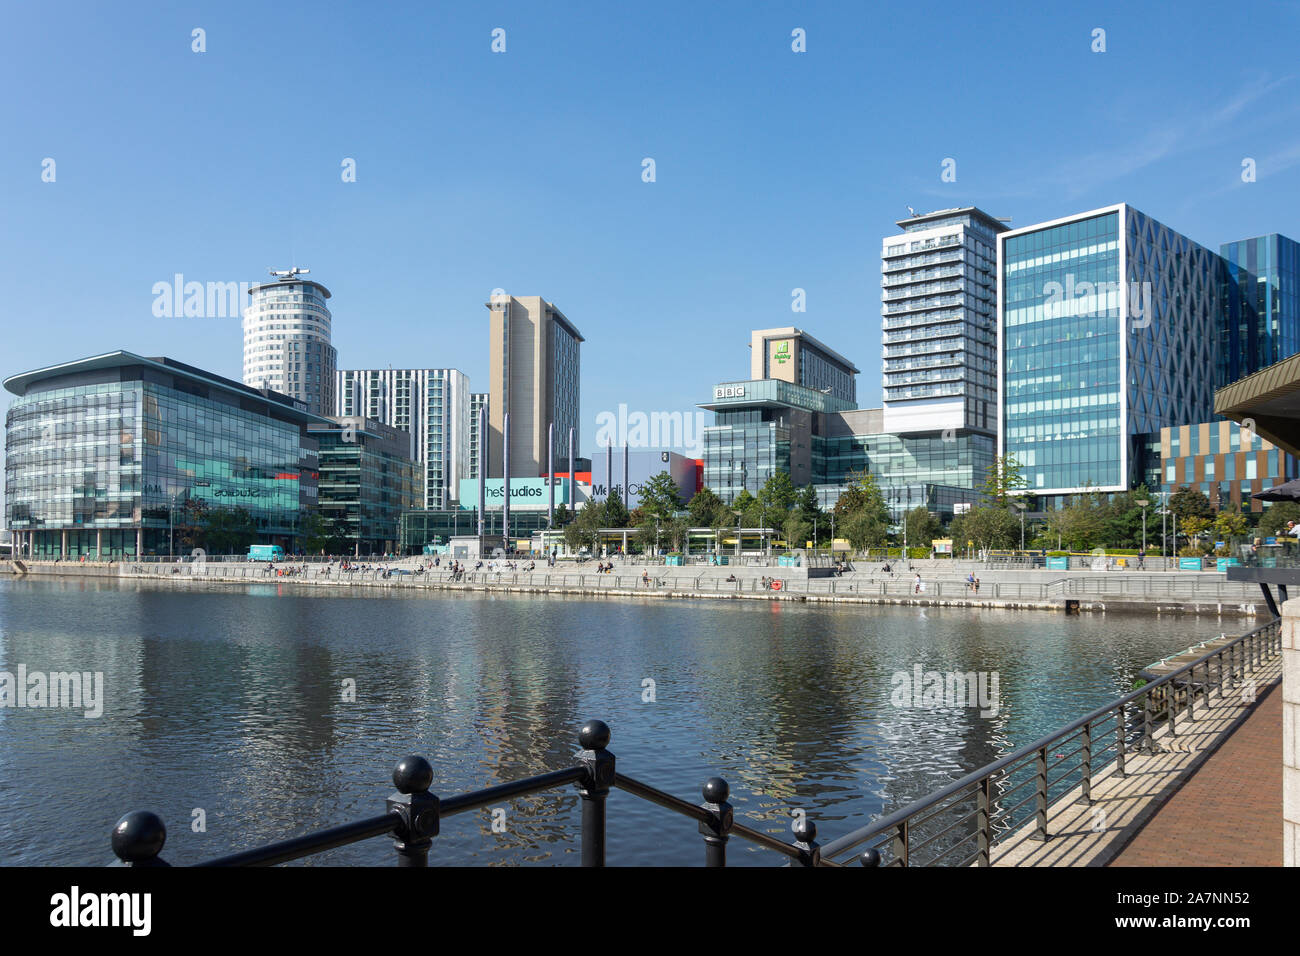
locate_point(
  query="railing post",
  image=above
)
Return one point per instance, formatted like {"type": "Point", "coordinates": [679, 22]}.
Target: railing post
{"type": "Point", "coordinates": [417, 809]}
{"type": "Point", "coordinates": [1040, 797]}
{"type": "Point", "coordinates": [805, 834]}
{"type": "Point", "coordinates": [1121, 740]}
{"type": "Point", "coordinates": [1085, 783]}
{"type": "Point", "coordinates": [1171, 701]}
{"type": "Point", "coordinates": [717, 829]}
{"type": "Point", "coordinates": [902, 840]}
{"type": "Point", "coordinates": [138, 838]}
{"type": "Point", "coordinates": [983, 820]}
{"type": "Point", "coordinates": [598, 777]}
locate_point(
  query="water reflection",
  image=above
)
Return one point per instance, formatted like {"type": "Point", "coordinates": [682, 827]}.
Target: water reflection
{"type": "Point", "coordinates": [240, 702]}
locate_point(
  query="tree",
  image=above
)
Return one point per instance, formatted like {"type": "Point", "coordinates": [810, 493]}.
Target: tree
{"type": "Point", "coordinates": [1230, 524]}
{"type": "Point", "coordinates": [990, 527]}
{"type": "Point", "coordinates": [229, 530]}
{"type": "Point", "coordinates": [314, 536]}
{"type": "Point", "coordinates": [581, 532]}
{"type": "Point", "coordinates": [751, 512]}
{"type": "Point", "coordinates": [864, 529]}
{"type": "Point", "coordinates": [1005, 479]}
{"type": "Point", "coordinates": [678, 529]}
{"type": "Point", "coordinates": [1189, 503]}
{"type": "Point", "coordinates": [1193, 527]}
{"type": "Point", "coordinates": [1080, 524]}
{"type": "Point", "coordinates": [659, 498]}
{"type": "Point", "coordinates": [922, 527]}
{"type": "Point", "coordinates": [615, 512]}
{"type": "Point", "coordinates": [796, 530]}
{"type": "Point", "coordinates": [704, 508]}
{"type": "Point", "coordinates": [189, 523]}
{"type": "Point", "coordinates": [1275, 517]}
{"type": "Point", "coordinates": [862, 494]}
{"type": "Point", "coordinates": [775, 499]}
{"type": "Point", "coordinates": [809, 510]}
{"type": "Point", "coordinates": [562, 516]}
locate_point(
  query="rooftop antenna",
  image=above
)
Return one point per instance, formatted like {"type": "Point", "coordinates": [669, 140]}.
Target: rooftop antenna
{"type": "Point", "coordinates": [288, 274]}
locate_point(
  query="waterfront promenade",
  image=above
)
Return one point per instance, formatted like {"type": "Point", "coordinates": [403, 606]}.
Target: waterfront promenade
{"type": "Point", "coordinates": [1211, 795]}
{"type": "Point", "coordinates": [943, 583]}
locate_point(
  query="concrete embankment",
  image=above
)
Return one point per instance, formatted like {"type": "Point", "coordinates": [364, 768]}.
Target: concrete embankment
{"type": "Point", "coordinates": [1131, 592]}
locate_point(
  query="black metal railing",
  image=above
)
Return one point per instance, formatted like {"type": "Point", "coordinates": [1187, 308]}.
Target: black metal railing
{"type": "Point", "coordinates": [414, 816]}
{"type": "Point", "coordinates": [941, 824]}
{"type": "Point", "coordinates": [961, 823]}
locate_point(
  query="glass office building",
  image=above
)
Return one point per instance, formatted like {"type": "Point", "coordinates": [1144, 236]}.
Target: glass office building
{"type": "Point", "coordinates": [762, 427]}
{"type": "Point", "coordinates": [103, 454]}
{"type": "Point", "coordinates": [367, 480]}
{"type": "Point", "coordinates": [1261, 306]}
{"type": "Point", "coordinates": [1106, 335]}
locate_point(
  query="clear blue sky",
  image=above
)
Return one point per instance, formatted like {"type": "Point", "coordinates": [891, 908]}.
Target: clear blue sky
{"type": "Point", "coordinates": [522, 170]}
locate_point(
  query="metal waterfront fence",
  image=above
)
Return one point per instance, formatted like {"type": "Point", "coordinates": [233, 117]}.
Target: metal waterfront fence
{"type": "Point", "coordinates": [414, 816]}
{"type": "Point", "coordinates": [959, 824]}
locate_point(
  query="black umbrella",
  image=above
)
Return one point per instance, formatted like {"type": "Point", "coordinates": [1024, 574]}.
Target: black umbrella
{"type": "Point", "coordinates": [1287, 491]}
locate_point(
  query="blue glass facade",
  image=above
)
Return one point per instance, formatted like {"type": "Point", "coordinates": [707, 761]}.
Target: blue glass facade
{"type": "Point", "coordinates": [102, 454]}
{"type": "Point", "coordinates": [1261, 306]}
{"type": "Point", "coordinates": [1106, 336]}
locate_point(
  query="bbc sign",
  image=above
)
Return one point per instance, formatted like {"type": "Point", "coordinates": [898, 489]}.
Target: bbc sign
{"type": "Point", "coordinates": [728, 391]}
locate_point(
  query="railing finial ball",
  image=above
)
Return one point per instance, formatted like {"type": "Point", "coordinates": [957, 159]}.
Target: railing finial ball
{"type": "Point", "coordinates": [594, 735]}
{"type": "Point", "coordinates": [870, 857]}
{"type": "Point", "coordinates": [716, 790]}
{"type": "Point", "coordinates": [413, 774]}
{"type": "Point", "coordinates": [805, 830]}
{"type": "Point", "coordinates": [139, 837]}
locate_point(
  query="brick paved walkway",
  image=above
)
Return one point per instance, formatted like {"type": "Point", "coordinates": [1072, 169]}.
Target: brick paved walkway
{"type": "Point", "coordinates": [1228, 813]}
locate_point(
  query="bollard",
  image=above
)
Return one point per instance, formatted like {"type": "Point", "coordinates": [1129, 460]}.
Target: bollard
{"type": "Point", "coordinates": [717, 829]}
{"type": "Point", "coordinates": [598, 764]}
{"type": "Point", "coordinates": [417, 809]}
{"type": "Point", "coordinates": [138, 838]}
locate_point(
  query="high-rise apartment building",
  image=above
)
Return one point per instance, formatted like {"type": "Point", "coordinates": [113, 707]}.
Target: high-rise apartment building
{"type": "Point", "coordinates": [939, 292]}
{"type": "Point", "coordinates": [1261, 306]}
{"type": "Point", "coordinates": [792, 355]}
{"type": "Point", "coordinates": [287, 341]}
{"type": "Point", "coordinates": [432, 405]}
{"type": "Point", "coordinates": [1107, 323]}
{"type": "Point", "coordinates": [477, 401]}
{"type": "Point", "coordinates": [533, 365]}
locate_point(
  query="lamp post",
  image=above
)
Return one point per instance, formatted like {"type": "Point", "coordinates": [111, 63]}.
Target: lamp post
{"type": "Point", "coordinates": [1021, 506]}
{"type": "Point", "coordinates": [171, 534]}
{"type": "Point", "coordinates": [1143, 502]}
{"type": "Point", "coordinates": [737, 514]}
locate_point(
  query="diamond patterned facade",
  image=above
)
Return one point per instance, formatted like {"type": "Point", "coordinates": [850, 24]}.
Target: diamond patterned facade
{"type": "Point", "coordinates": [1107, 328]}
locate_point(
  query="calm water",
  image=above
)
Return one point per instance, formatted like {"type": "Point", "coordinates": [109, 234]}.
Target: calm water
{"type": "Point", "coordinates": [231, 700]}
